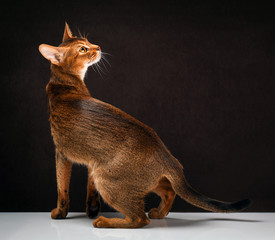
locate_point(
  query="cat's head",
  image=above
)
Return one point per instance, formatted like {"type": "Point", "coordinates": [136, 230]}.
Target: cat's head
{"type": "Point", "coordinates": [74, 55]}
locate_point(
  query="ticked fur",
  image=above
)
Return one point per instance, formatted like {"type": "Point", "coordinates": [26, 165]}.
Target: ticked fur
{"type": "Point", "coordinates": [126, 159]}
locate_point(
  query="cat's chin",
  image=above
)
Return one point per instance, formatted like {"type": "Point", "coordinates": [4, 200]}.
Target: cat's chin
{"type": "Point", "coordinates": [90, 63]}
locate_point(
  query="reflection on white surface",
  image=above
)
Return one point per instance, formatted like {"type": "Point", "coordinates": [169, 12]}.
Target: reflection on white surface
{"type": "Point", "coordinates": [191, 226]}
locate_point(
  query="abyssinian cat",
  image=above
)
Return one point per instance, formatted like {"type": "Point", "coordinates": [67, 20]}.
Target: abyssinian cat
{"type": "Point", "coordinates": [126, 159]}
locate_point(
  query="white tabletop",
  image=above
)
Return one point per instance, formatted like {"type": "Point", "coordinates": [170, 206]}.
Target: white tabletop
{"type": "Point", "coordinates": [187, 226]}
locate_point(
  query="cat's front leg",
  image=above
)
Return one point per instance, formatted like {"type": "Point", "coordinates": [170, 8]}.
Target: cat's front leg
{"type": "Point", "coordinates": [93, 198]}
{"type": "Point", "coordinates": [63, 174]}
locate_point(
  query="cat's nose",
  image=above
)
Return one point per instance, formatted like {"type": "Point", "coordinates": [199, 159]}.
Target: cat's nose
{"type": "Point", "coordinates": [98, 48]}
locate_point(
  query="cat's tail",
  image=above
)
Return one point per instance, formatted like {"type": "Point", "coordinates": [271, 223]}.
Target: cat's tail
{"type": "Point", "coordinates": [186, 192]}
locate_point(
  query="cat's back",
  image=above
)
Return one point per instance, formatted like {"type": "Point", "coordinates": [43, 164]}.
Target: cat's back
{"type": "Point", "coordinates": [104, 117]}
{"type": "Point", "coordinates": [86, 123]}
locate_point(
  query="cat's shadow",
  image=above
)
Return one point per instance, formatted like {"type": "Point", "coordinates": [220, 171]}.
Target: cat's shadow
{"type": "Point", "coordinates": [169, 222]}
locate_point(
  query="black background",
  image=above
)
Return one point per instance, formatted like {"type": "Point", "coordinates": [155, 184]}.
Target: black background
{"type": "Point", "coordinates": [200, 74]}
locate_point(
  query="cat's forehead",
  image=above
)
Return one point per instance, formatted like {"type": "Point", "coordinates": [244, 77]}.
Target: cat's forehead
{"type": "Point", "coordinates": [74, 41]}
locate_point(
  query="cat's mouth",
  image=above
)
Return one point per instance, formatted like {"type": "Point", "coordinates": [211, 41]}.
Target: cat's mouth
{"type": "Point", "coordinates": [95, 58]}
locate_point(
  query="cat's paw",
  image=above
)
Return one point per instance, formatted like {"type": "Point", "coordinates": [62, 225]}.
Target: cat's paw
{"type": "Point", "coordinates": [91, 211]}
{"type": "Point", "coordinates": [155, 214]}
{"type": "Point", "coordinates": [101, 222]}
{"type": "Point", "coordinates": [59, 213]}
{"type": "Point", "coordinates": [93, 207]}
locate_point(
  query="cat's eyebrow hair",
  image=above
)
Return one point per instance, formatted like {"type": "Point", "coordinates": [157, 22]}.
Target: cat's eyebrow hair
{"type": "Point", "coordinates": [83, 44]}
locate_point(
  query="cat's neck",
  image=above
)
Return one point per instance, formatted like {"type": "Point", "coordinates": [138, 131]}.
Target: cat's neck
{"type": "Point", "coordinates": [60, 77]}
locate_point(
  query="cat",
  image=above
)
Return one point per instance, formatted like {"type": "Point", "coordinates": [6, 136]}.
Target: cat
{"type": "Point", "coordinates": [126, 159]}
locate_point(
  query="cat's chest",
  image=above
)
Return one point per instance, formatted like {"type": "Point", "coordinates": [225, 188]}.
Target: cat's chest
{"type": "Point", "coordinates": [75, 151]}
{"type": "Point", "coordinates": [74, 141]}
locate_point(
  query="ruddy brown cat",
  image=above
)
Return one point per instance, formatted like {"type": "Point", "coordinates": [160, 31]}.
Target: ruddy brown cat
{"type": "Point", "coordinates": [126, 159]}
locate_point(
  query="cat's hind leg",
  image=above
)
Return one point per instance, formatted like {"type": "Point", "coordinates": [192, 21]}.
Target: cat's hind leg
{"type": "Point", "coordinates": [167, 194]}
{"type": "Point", "coordinates": [63, 174]}
{"type": "Point", "coordinates": [132, 207]}
{"type": "Point", "coordinates": [93, 198]}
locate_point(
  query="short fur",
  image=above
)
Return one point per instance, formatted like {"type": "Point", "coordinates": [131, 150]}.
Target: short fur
{"type": "Point", "coordinates": [126, 159]}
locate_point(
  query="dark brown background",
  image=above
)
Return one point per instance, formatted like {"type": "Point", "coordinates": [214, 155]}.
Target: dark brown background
{"type": "Point", "coordinates": [200, 74]}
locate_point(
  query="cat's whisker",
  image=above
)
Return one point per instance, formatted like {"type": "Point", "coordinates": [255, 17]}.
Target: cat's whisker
{"type": "Point", "coordinates": [93, 68]}
{"type": "Point", "coordinates": [103, 64]}
{"type": "Point", "coordinates": [98, 70]}
{"type": "Point", "coordinates": [105, 53]}
{"type": "Point", "coordinates": [79, 33]}
{"type": "Point", "coordinates": [86, 35]}
{"type": "Point", "coordinates": [104, 59]}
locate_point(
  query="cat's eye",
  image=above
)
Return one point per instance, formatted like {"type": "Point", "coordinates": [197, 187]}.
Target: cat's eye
{"type": "Point", "coordinates": [83, 50]}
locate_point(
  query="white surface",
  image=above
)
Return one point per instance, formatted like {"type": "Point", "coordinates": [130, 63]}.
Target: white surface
{"type": "Point", "coordinates": [187, 226]}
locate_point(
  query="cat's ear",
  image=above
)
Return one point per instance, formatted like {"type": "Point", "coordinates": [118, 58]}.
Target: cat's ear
{"type": "Point", "coordinates": [53, 54]}
{"type": "Point", "coordinates": [67, 33]}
